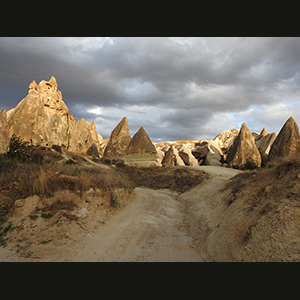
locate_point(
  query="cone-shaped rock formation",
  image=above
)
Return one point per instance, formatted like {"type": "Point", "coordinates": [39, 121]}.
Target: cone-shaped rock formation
{"type": "Point", "coordinates": [140, 151]}
{"type": "Point", "coordinates": [244, 149]}
{"type": "Point", "coordinates": [287, 143]}
{"type": "Point", "coordinates": [118, 141]}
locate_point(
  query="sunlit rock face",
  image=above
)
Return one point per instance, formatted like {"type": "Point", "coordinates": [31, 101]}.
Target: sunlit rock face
{"type": "Point", "coordinates": [42, 118]}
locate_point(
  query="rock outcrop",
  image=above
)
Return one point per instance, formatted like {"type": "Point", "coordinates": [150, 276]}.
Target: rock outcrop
{"type": "Point", "coordinates": [264, 145]}
{"type": "Point", "coordinates": [214, 155]}
{"type": "Point", "coordinates": [140, 151]}
{"type": "Point", "coordinates": [42, 118]}
{"type": "Point", "coordinates": [4, 128]}
{"type": "Point", "coordinates": [186, 155]}
{"type": "Point", "coordinates": [287, 142]}
{"type": "Point", "coordinates": [169, 159]}
{"type": "Point", "coordinates": [262, 134]}
{"type": "Point", "coordinates": [172, 158]}
{"type": "Point", "coordinates": [159, 156]}
{"type": "Point", "coordinates": [244, 149]}
{"type": "Point", "coordinates": [118, 141]}
{"type": "Point", "coordinates": [200, 152]}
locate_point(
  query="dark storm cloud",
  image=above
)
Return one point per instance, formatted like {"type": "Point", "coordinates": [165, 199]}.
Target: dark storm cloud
{"type": "Point", "coordinates": [184, 83]}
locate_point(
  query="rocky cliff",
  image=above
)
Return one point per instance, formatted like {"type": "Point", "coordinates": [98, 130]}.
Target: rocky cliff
{"type": "Point", "coordinates": [42, 118]}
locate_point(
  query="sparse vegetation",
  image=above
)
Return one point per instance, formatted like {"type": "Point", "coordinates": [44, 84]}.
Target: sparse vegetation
{"type": "Point", "coordinates": [47, 215]}
{"type": "Point", "coordinates": [250, 165]}
{"type": "Point", "coordinates": [114, 199]}
{"type": "Point", "coordinates": [57, 148]}
{"type": "Point", "coordinates": [64, 187]}
{"type": "Point", "coordinates": [18, 149]}
{"type": "Point", "coordinates": [179, 179]}
{"type": "Point", "coordinates": [271, 193]}
{"type": "Point", "coordinates": [44, 173]}
{"type": "Point", "coordinates": [70, 162]}
{"type": "Point", "coordinates": [3, 232]}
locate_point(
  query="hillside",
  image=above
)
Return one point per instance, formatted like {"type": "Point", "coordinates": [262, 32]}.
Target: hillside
{"type": "Point", "coordinates": [88, 211]}
{"type": "Point", "coordinates": [53, 197]}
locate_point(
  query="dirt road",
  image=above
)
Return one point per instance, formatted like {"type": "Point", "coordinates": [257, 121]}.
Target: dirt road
{"type": "Point", "coordinates": [154, 227]}
{"type": "Point", "coordinates": [204, 208]}
{"type": "Point", "coordinates": [218, 172]}
{"type": "Point", "coordinates": [158, 225]}
{"type": "Point", "coordinates": [150, 229]}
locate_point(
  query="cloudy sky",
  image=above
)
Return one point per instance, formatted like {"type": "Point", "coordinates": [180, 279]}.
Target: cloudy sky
{"type": "Point", "coordinates": [176, 88]}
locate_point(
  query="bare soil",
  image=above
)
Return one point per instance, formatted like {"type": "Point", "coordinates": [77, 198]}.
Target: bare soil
{"type": "Point", "coordinates": [152, 225]}
{"type": "Point", "coordinates": [71, 227]}
{"type": "Point", "coordinates": [224, 218]}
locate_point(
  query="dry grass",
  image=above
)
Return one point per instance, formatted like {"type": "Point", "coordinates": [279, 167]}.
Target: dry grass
{"type": "Point", "coordinates": [20, 180]}
{"type": "Point", "coordinates": [262, 193]}
{"type": "Point", "coordinates": [262, 213]}
{"type": "Point", "coordinates": [179, 179]}
{"type": "Point", "coordinates": [59, 205]}
{"type": "Point", "coordinates": [39, 184]}
{"type": "Point", "coordinates": [272, 184]}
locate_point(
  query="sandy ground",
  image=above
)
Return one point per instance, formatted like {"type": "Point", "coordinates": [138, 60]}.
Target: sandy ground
{"type": "Point", "coordinates": [204, 212]}
{"type": "Point", "coordinates": [157, 225]}
{"type": "Point", "coordinates": [150, 229]}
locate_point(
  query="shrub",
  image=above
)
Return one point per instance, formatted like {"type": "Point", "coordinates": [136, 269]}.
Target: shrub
{"type": "Point", "coordinates": [18, 149]}
{"type": "Point", "coordinates": [250, 165]}
{"type": "Point", "coordinates": [47, 216]}
{"type": "Point", "coordinates": [114, 199]}
{"type": "Point", "coordinates": [37, 156]}
{"type": "Point", "coordinates": [49, 194]}
{"type": "Point", "coordinates": [70, 162]}
{"type": "Point", "coordinates": [57, 148]}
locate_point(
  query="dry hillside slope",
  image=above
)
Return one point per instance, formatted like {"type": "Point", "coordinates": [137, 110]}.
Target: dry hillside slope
{"type": "Point", "coordinates": [252, 217]}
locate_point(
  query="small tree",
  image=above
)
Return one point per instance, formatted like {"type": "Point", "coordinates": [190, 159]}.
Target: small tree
{"type": "Point", "coordinates": [18, 149]}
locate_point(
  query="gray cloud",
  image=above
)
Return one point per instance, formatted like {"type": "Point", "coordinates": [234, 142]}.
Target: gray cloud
{"type": "Point", "coordinates": [173, 87]}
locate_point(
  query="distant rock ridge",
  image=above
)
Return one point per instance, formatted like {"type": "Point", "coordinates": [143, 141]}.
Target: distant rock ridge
{"type": "Point", "coordinates": [42, 118]}
{"type": "Point", "coordinates": [236, 147]}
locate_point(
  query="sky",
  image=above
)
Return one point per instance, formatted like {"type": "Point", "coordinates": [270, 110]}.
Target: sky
{"type": "Point", "coordinates": [177, 88]}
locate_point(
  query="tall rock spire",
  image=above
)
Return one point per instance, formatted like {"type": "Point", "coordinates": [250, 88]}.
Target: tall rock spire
{"type": "Point", "coordinates": [42, 118]}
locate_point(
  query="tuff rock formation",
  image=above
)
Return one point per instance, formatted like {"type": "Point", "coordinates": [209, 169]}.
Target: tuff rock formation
{"type": "Point", "coordinates": [159, 156]}
{"type": "Point", "coordinates": [214, 155]}
{"type": "Point", "coordinates": [262, 134]}
{"type": "Point", "coordinates": [118, 141]}
{"type": "Point", "coordinates": [4, 128]}
{"type": "Point", "coordinates": [287, 142]}
{"type": "Point", "coordinates": [186, 155]}
{"type": "Point", "coordinates": [200, 152]}
{"type": "Point", "coordinates": [172, 158]}
{"type": "Point", "coordinates": [140, 151]}
{"type": "Point", "coordinates": [42, 118]}
{"type": "Point", "coordinates": [244, 149]}
{"type": "Point", "coordinates": [264, 145]}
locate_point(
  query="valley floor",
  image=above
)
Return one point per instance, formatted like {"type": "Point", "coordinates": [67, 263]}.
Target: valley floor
{"type": "Point", "coordinates": [157, 225]}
